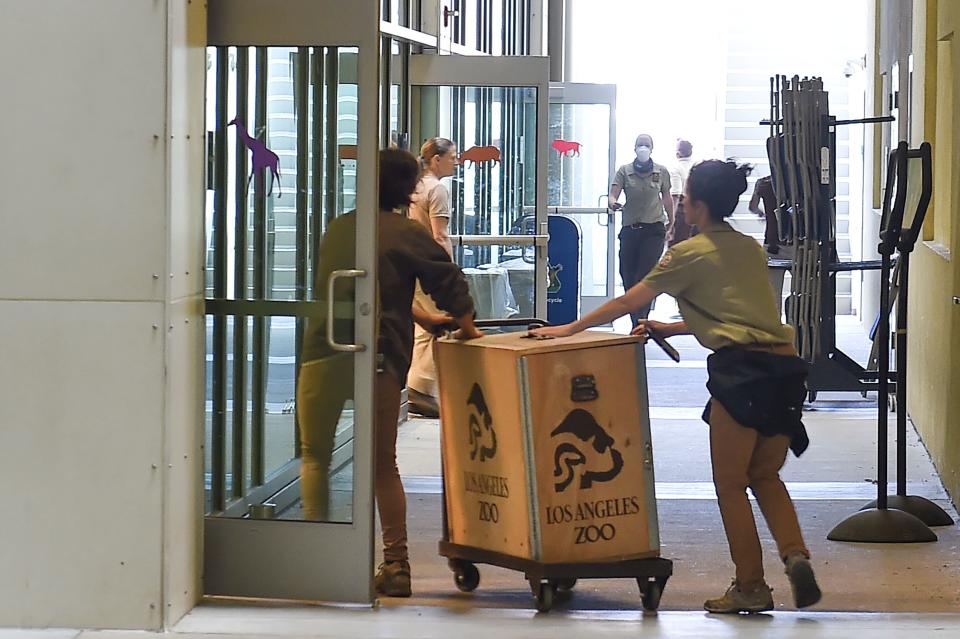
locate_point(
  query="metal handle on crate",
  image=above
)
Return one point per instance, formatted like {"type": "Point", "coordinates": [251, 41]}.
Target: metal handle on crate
{"type": "Point", "coordinates": [583, 388]}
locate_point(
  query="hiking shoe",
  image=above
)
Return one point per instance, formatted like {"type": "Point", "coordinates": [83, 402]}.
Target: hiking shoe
{"type": "Point", "coordinates": [393, 579]}
{"type": "Point", "coordinates": [736, 600]}
{"type": "Point", "coordinates": [806, 592]}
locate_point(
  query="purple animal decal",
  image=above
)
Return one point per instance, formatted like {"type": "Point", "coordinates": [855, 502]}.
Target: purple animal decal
{"type": "Point", "coordinates": [263, 158]}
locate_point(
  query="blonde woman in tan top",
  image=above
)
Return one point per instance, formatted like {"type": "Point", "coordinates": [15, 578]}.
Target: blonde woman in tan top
{"type": "Point", "coordinates": [431, 208]}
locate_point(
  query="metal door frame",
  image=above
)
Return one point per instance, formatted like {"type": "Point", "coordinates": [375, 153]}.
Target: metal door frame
{"type": "Point", "coordinates": [580, 93]}
{"type": "Point", "coordinates": [501, 71]}
{"type": "Point", "coordinates": [296, 559]}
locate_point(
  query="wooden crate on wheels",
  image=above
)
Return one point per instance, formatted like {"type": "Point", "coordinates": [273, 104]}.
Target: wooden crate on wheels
{"type": "Point", "coordinates": [548, 462]}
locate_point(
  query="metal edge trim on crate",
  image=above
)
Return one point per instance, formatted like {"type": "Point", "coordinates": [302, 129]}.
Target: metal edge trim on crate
{"type": "Point", "coordinates": [526, 425]}
{"type": "Point", "coordinates": [646, 436]}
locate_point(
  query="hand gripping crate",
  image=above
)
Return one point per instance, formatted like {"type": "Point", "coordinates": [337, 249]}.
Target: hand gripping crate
{"type": "Point", "coordinates": [548, 462]}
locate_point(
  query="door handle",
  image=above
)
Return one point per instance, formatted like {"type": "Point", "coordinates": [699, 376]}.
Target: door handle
{"type": "Point", "coordinates": [604, 219]}
{"type": "Point", "coordinates": [331, 282]}
{"type": "Point", "coordinates": [449, 13]}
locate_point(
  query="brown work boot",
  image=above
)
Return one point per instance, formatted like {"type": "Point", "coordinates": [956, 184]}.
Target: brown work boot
{"type": "Point", "coordinates": [806, 592]}
{"type": "Point", "coordinates": [736, 600]}
{"type": "Point", "coordinates": [393, 579]}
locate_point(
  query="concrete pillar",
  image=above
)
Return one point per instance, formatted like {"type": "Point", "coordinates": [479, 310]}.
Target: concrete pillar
{"type": "Point", "coordinates": [101, 312]}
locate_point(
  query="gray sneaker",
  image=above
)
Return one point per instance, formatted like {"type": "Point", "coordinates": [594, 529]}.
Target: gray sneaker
{"type": "Point", "coordinates": [806, 592]}
{"type": "Point", "coordinates": [736, 600]}
{"type": "Point", "coordinates": [393, 579]}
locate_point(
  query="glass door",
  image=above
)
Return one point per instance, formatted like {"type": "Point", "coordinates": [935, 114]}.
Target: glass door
{"type": "Point", "coordinates": [582, 137]}
{"type": "Point", "coordinates": [288, 479]}
{"type": "Point", "coordinates": [495, 110]}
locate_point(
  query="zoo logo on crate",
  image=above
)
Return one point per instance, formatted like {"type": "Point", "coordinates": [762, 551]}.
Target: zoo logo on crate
{"type": "Point", "coordinates": [580, 432]}
{"type": "Point", "coordinates": [483, 438]}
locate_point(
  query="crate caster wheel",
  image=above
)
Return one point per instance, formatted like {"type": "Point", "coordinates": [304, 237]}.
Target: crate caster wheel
{"type": "Point", "coordinates": [465, 575]}
{"type": "Point", "coordinates": [650, 592]}
{"type": "Point", "coordinates": [566, 585]}
{"type": "Point", "coordinates": [811, 396]}
{"type": "Point", "coordinates": [543, 592]}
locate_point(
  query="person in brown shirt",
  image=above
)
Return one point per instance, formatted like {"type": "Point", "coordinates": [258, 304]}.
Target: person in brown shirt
{"type": "Point", "coordinates": [406, 252]}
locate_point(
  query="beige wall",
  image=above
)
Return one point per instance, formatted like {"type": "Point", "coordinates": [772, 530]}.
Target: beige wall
{"type": "Point", "coordinates": [101, 207]}
{"type": "Point", "coordinates": [934, 338]}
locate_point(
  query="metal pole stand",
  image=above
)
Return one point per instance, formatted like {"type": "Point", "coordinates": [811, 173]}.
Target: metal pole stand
{"type": "Point", "coordinates": [921, 507]}
{"type": "Point", "coordinates": [879, 523]}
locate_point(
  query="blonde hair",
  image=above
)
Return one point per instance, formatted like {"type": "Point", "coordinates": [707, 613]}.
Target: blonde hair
{"type": "Point", "coordinates": [434, 147]}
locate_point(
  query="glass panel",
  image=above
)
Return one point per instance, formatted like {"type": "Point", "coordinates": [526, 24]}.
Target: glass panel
{"type": "Point", "coordinates": [577, 172]}
{"type": "Point", "coordinates": [494, 189]}
{"type": "Point", "coordinates": [282, 122]}
{"type": "Point", "coordinates": [577, 176]}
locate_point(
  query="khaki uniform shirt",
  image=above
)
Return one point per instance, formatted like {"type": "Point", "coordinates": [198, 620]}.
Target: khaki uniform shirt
{"type": "Point", "coordinates": [719, 279]}
{"type": "Point", "coordinates": [643, 192]}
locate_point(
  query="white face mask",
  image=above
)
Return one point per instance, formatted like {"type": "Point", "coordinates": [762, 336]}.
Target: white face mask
{"type": "Point", "coordinates": [643, 153]}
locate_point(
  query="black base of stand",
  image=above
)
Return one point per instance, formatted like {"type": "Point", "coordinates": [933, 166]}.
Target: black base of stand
{"type": "Point", "coordinates": [875, 526]}
{"type": "Point", "coordinates": [920, 507]}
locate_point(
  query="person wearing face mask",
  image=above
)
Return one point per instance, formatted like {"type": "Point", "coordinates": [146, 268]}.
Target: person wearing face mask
{"type": "Point", "coordinates": [647, 212]}
{"type": "Point", "coordinates": [431, 208]}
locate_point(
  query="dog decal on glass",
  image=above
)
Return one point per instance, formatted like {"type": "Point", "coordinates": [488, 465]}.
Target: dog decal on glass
{"type": "Point", "coordinates": [585, 452]}
{"type": "Point", "coordinates": [483, 438]}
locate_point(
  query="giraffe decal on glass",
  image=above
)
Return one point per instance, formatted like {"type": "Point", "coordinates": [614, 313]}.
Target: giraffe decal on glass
{"type": "Point", "coordinates": [263, 158]}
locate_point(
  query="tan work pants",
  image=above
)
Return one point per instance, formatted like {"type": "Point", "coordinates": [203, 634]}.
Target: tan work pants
{"type": "Point", "coordinates": [743, 457]}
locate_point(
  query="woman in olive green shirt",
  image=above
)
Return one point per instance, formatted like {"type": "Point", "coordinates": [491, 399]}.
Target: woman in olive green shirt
{"type": "Point", "coordinates": [719, 279]}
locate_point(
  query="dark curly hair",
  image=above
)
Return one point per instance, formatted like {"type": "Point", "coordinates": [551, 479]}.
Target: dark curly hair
{"type": "Point", "coordinates": [718, 184]}
{"type": "Point", "coordinates": [399, 174]}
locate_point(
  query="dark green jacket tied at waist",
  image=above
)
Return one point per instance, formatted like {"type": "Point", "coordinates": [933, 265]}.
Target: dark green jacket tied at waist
{"type": "Point", "coordinates": [761, 390]}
